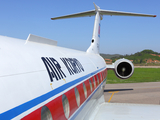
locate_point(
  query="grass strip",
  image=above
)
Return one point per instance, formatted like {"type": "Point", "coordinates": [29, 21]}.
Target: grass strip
{"type": "Point", "coordinates": [139, 75]}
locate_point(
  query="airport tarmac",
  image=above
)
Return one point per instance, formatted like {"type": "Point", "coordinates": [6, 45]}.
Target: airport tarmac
{"type": "Point", "coordinates": [140, 93]}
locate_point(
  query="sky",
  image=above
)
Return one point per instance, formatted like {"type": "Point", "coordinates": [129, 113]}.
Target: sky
{"type": "Point", "coordinates": [119, 34]}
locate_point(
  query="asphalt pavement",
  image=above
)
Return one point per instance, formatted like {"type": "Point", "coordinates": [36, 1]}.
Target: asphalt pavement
{"type": "Point", "coordinates": [139, 93]}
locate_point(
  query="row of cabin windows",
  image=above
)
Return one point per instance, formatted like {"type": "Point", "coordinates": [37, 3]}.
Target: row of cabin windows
{"type": "Point", "coordinates": [45, 112]}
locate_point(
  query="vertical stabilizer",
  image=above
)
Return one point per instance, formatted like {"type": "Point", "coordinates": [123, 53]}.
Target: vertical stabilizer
{"type": "Point", "coordinates": [98, 13]}
{"type": "Point", "coordinates": [94, 47]}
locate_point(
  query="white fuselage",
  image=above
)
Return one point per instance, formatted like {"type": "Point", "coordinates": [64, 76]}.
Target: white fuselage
{"type": "Point", "coordinates": [25, 83]}
{"type": "Point", "coordinates": [40, 81]}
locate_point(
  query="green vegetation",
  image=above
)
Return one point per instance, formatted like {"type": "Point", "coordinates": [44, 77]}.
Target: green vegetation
{"type": "Point", "coordinates": [140, 57]}
{"type": "Point", "coordinates": [139, 75]}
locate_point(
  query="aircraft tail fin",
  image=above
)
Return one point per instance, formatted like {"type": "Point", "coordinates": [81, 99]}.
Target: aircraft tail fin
{"type": "Point", "coordinates": [98, 13]}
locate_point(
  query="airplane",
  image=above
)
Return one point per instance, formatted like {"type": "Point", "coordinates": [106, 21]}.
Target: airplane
{"type": "Point", "coordinates": [42, 81]}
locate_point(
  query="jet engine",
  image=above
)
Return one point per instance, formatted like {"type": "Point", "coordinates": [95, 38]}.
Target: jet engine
{"type": "Point", "coordinates": [123, 68]}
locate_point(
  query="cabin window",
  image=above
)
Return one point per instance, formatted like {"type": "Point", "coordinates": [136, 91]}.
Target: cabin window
{"type": "Point", "coordinates": [85, 90]}
{"type": "Point", "coordinates": [97, 79]}
{"type": "Point", "coordinates": [45, 113]}
{"type": "Point", "coordinates": [94, 82]}
{"type": "Point", "coordinates": [77, 96]}
{"type": "Point", "coordinates": [65, 106]}
{"type": "Point", "coordinates": [90, 84]}
{"type": "Point", "coordinates": [104, 74]}
{"type": "Point", "coordinates": [101, 77]}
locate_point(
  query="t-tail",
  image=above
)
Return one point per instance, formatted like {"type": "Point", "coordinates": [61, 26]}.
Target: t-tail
{"type": "Point", "coordinates": [94, 47]}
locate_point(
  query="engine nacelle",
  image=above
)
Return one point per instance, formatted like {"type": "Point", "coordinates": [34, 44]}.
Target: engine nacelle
{"type": "Point", "coordinates": [123, 68]}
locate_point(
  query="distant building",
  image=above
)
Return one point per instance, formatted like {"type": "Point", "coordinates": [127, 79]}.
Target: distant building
{"type": "Point", "coordinates": [149, 61]}
{"type": "Point", "coordinates": [156, 61]}
{"type": "Point", "coordinates": [131, 60]}
{"type": "Point", "coordinates": [108, 61]}
{"type": "Point", "coordinates": [152, 61]}
{"type": "Point", "coordinates": [155, 55]}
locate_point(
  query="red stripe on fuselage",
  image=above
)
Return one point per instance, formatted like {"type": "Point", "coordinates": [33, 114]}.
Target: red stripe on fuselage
{"type": "Point", "coordinates": [56, 107]}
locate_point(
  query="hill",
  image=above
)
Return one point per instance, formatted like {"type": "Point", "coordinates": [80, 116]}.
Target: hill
{"type": "Point", "coordinates": [109, 56]}
{"type": "Point", "coordinates": [143, 57]}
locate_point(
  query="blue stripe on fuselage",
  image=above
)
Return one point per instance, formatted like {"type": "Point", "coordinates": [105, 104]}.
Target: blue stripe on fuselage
{"type": "Point", "coordinates": [32, 103]}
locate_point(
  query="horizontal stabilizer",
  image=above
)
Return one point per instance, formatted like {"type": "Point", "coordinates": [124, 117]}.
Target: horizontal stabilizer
{"type": "Point", "coordinates": [109, 12]}
{"type": "Point", "coordinates": [102, 12]}
{"type": "Point", "coordinates": [81, 14]}
{"type": "Point", "coordinates": [38, 39]}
